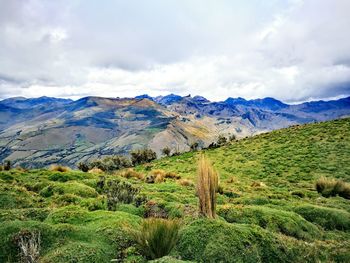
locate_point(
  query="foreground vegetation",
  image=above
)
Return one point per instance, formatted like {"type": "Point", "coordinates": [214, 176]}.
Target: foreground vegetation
{"type": "Point", "coordinates": [279, 200]}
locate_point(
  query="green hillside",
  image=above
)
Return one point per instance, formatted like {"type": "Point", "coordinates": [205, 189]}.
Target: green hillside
{"type": "Point", "coordinates": [268, 208]}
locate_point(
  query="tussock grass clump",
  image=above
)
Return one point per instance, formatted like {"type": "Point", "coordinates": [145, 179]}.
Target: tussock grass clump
{"type": "Point", "coordinates": [186, 182]}
{"type": "Point", "coordinates": [95, 170]}
{"type": "Point", "coordinates": [331, 187]}
{"type": "Point", "coordinates": [207, 187]}
{"type": "Point", "coordinates": [157, 237]}
{"type": "Point", "coordinates": [131, 173]}
{"type": "Point", "coordinates": [59, 168]}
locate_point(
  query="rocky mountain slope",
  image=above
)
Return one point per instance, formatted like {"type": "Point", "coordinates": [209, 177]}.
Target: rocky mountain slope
{"type": "Point", "coordinates": [41, 131]}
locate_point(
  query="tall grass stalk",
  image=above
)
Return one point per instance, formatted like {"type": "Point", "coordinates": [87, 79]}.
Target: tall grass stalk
{"type": "Point", "coordinates": [207, 186]}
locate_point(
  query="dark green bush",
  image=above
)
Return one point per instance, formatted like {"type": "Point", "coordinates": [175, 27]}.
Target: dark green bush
{"type": "Point", "coordinates": [111, 163]}
{"type": "Point", "coordinates": [119, 192]}
{"type": "Point", "coordinates": [142, 156]}
{"type": "Point", "coordinates": [328, 218]}
{"type": "Point", "coordinates": [84, 167]}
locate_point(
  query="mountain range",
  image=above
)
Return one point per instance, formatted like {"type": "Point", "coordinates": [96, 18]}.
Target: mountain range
{"type": "Point", "coordinates": [36, 132]}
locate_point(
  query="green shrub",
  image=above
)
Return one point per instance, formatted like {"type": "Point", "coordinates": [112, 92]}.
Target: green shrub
{"type": "Point", "coordinates": [288, 223]}
{"type": "Point", "coordinates": [84, 167]}
{"type": "Point", "coordinates": [142, 156]}
{"type": "Point", "coordinates": [166, 151]}
{"type": "Point", "coordinates": [119, 192]}
{"type": "Point", "coordinates": [328, 218]}
{"type": "Point", "coordinates": [168, 259]}
{"type": "Point", "coordinates": [111, 163]}
{"type": "Point", "coordinates": [7, 165]}
{"type": "Point", "coordinates": [157, 237]}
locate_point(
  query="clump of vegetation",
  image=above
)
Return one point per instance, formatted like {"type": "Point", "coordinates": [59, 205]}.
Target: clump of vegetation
{"type": "Point", "coordinates": [331, 187]}
{"type": "Point", "coordinates": [84, 167]}
{"type": "Point", "coordinates": [285, 222]}
{"type": "Point", "coordinates": [186, 182]}
{"type": "Point", "coordinates": [142, 156]}
{"type": "Point", "coordinates": [111, 163]}
{"type": "Point", "coordinates": [157, 237]}
{"type": "Point", "coordinates": [222, 140]}
{"type": "Point", "coordinates": [119, 192]}
{"type": "Point", "coordinates": [131, 173]}
{"type": "Point", "coordinates": [29, 245]}
{"type": "Point", "coordinates": [207, 186]}
{"type": "Point", "coordinates": [194, 146]}
{"type": "Point", "coordinates": [166, 151]}
{"type": "Point", "coordinates": [95, 170]}
{"type": "Point", "coordinates": [328, 218]}
{"type": "Point", "coordinates": [7, 165]}
{"type": "Point", "coordinates": [59, 168]}
{"type": "Point", "coordinates": [217, 241]}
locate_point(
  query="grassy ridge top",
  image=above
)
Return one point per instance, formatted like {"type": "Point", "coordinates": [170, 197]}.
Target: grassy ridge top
{"type": "Point", "coordinates": [267, 200]}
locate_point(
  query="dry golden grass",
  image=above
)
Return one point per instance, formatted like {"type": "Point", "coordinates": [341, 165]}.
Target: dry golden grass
{"type": "Point", "coordinates": [332, 187]}
{"type": "Point", "coordinates": [159, 175]}
{"type": "Point", "coordinates": [186, 182]}
{"type": "Point", "coordinates": [59, 168]}
{"type": "Point", "coordinates": [95, 170]}
{"type": "Point", "coordinates": [131, 173]}
{"type": "Point", "coordinates": [172, 175]}
{"type": "Point", "coordinates": [207, 186]}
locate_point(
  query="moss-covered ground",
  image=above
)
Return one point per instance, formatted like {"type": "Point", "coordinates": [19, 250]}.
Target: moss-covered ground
{"type": "Point", "coordinates": [268, 208]}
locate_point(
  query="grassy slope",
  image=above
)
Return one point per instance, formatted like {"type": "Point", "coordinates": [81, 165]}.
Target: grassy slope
{"type": "Point", "coordinates": [269, 207]}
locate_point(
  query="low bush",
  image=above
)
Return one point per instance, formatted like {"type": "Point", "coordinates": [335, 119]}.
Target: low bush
{"type": "Point", "coordinates": [119, 192]}
{"type": "Point", "coordinates": [84, 167]}
{"type": "Point", "coordinates": [157, 237]}
{"type": "Point", "coordinates": [142, 156]}
{"type": "Point", "coordinates": [328, 218]}
{"type": "Point", "coordinates": [285, 222]}
{"type": "Point", "coordinates": [111, 163]}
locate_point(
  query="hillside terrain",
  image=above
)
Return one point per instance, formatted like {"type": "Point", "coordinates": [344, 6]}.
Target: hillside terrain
{"type": "Point", "coordinates": [268, 208]}
{"type": "Point", "coordinates": [42, 131]}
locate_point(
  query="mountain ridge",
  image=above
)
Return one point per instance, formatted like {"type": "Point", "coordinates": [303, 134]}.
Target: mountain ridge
{"type": "Point", "coordinates": [45, 130]}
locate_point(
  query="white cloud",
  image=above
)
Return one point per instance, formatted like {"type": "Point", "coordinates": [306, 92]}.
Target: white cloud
{"type": "Point", "coordinates": [295, 50]}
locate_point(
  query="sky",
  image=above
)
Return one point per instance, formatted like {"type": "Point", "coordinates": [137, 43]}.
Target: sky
{"type": "Point", "coordinates": [292, 50]}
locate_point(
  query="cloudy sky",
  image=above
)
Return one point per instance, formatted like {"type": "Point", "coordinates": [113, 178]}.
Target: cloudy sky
{"type": "Point", "coordinates": [292, 50]}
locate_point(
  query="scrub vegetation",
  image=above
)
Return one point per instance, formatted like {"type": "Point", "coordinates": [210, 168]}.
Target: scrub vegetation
{"type": "Point", "coordinates": [275, 197]}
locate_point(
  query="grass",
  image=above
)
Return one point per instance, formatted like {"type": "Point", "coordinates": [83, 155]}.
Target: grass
{"type": "Point", "coordinates": [331, 187]}
{"type": "Point", "coordinates": [157, 237]}
{"type": "Point", "coordinates": [207, 187]}
{"type": "Point", "coordinates": [268, 208]}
